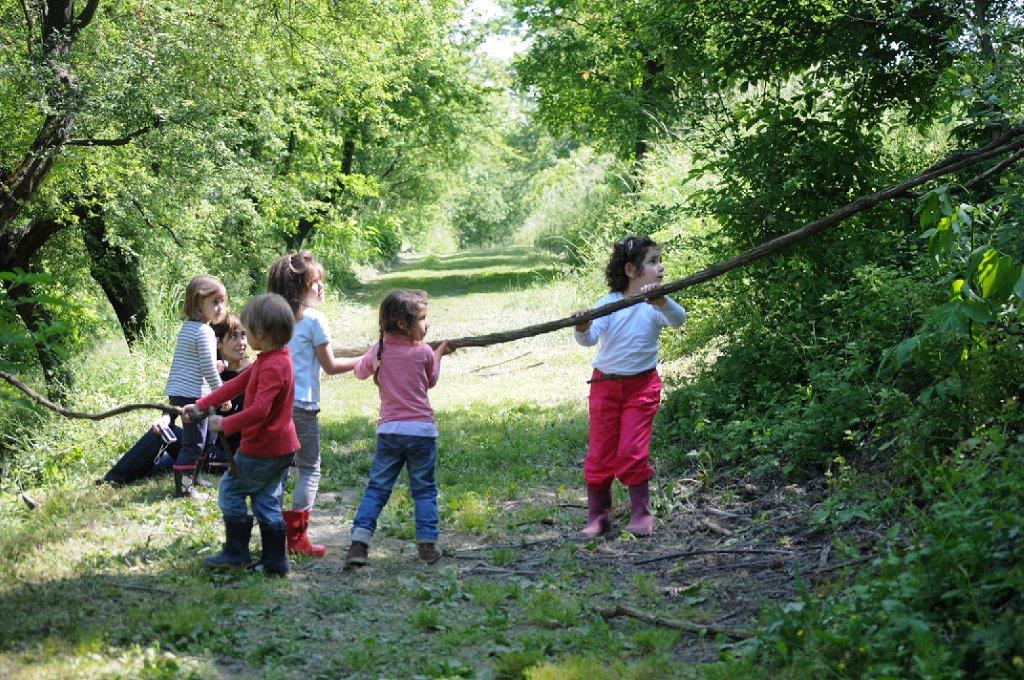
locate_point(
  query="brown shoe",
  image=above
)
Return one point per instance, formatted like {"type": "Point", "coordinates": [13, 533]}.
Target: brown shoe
{"type": "Point", "coordinates": [356, 556]}
{"type": "Point", "coordinates": [428, 552]}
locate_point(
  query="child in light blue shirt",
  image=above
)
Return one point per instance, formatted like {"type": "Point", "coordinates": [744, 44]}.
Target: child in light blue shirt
{"type": "Point", "coordinates": [299, 278]}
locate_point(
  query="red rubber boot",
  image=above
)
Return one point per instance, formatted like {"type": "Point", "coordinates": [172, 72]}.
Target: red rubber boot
{"type": "Point", "coordinates": [642, 521]}
{"type": "Point", "coordinates": [599, 510]}
{"type": "Point", "coordinates": [297, 524]}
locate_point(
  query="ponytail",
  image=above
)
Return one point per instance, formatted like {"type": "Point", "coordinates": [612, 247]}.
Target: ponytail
{"type": "Point", "coordinates": [380, 359]}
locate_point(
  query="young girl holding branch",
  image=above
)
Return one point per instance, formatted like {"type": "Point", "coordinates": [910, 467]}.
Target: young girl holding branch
{"type": "Point", "coordinates": [625, 389]}
{"type": "Point", "coordinates": [404, 368]}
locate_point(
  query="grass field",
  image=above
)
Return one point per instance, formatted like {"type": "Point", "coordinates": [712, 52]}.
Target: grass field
{"type": "Point", "coordinates": [104, 582]}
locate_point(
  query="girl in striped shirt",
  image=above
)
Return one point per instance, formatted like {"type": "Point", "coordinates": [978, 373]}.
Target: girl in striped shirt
{"type": "Point", "coordinates": [194, 372]}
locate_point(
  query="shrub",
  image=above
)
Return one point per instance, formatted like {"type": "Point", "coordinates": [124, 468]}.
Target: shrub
{"type": "Point", "coordinates": [948, 605]}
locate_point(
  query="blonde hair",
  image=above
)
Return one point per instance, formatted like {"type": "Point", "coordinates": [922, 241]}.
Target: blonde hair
{"type": "Point", "coordinates": [293, 276]}
{"type": "Point", "coordinates": [398, 313]}
{"type": "Point", "coordinates": [197, 290]}
{"type": "Point", "coordinates": [269, 318]}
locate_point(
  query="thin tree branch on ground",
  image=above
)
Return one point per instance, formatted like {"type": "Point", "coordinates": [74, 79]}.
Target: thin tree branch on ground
{"type": "Point", "coordinates": [688, 626]}
{"type": "Point", "coordinates": [716, 551]}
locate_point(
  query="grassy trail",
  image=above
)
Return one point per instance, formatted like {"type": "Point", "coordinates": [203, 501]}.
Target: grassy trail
{"type": "Point", "coordinates": [102, 582]}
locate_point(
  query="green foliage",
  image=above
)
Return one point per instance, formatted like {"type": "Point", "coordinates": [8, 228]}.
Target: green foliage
{"type": "Point", "coordinates": [945, 606]}
{"type": "Point", "coordinates": [613, 74]}
{"type": "Point", "coordinates": [264, 142]}
{"type": "Point", "coordinates": [491, 199]}
{"type": "Point", "coordinates": [16, 345]}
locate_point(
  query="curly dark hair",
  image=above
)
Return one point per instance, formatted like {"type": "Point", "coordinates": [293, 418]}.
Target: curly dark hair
{"type": "Point", "coordinates": [630, 250]}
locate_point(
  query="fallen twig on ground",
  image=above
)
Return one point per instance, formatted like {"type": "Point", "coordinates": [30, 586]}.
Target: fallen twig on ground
{"type": "Point", "coordinates": [488, 569]}
{"type": "Point", "coordinates": [688, 626]}
{"type": "Point", "coordinates": [756, 564]}
{"type": "Point", "coordinates": [518, 356]}
{"type": "Point", "coordinates": [716, 551]}
{"type": "Point", "coordinates": [712, 526]}
{"type": "Point", "coordinates": [720, 513]}
{"type": "Point", "coordinates": [526, 544]}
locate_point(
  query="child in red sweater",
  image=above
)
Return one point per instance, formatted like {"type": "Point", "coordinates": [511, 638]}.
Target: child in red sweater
{"type": "Point", "coordinates": [268, 438]}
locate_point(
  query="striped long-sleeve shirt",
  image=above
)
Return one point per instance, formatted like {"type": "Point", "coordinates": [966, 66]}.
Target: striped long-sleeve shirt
{"type": "Point", "coordinates": [194, 368]}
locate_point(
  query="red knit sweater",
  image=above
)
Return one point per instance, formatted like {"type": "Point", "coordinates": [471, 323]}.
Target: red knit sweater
{"type": "Point", "coordinates": [266, 419]}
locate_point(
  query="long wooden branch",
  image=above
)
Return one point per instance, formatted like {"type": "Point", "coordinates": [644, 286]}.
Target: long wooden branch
{"type": "Point", "coordinates": [57, 408]}
{"type": "Point", "coordinates": [946, 166]}
{"type": "Point", "coordinates": [1006, 144]}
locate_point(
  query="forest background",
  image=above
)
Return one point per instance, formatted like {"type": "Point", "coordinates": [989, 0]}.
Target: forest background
{"type": "Point", "coordinates": [145, 142]}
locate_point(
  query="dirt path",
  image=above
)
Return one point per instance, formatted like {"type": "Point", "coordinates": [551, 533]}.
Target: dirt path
{"type": "Point", "coordinates": [511, 508]}
{"type": "Point", "coordinates": [106, 582]}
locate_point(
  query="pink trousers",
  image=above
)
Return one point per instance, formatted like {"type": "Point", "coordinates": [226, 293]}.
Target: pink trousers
{"type": "Point", "coordinates": [621, 418]}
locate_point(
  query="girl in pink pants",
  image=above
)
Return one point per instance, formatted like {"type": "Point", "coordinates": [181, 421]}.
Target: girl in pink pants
{"type": "Point", "coordinates": [625, 389]}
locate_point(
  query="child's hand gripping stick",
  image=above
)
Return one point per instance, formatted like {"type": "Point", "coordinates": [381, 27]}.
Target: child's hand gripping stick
{"type": "Point", "coordinates": [192, 414]}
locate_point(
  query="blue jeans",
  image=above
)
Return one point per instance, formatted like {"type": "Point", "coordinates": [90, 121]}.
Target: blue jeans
{"type": "Point", "coordinates": [394, 451]}
{"type": "Point", "coordinates": [259, 479]}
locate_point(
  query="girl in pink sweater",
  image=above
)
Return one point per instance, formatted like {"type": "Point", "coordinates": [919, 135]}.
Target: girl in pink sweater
{"type": "Point", "coordinates": [404, 368]}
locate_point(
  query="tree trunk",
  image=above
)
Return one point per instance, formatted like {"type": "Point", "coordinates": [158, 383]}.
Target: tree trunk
{"type": "Point", "coordinates": [117, 272]}
{"type": "Point", "coordinates": [39, 322]}
{"type": "Point", "coordinates": [302, 232]}
{"type": "Point", "coordinates": [19, 247]}
{"type": "Point", "coordinates": [307, 225]}
{"type": "Point", "coordinates": [59, 30]}
{"type": "Point", "coordinates": [651, 70]}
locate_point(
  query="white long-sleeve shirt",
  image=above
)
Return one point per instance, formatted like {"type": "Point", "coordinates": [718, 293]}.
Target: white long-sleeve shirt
{"type": "Point", "coordinates": [194, 367]}
{"type": "Point", "coordinates": [629, 337]}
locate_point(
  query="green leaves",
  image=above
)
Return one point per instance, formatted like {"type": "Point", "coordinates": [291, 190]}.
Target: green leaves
{"type": "Point", "coordinates": [996, 275]}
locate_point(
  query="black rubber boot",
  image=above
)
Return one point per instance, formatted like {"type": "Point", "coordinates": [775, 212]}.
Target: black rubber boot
{"type": "Point", "coordinates": [235, 554]}
{"type": "Point", "coordinates": [274, 560]}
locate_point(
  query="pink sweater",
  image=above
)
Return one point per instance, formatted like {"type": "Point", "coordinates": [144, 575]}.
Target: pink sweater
{"type": "Point", "coordinates": [407, 370]}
